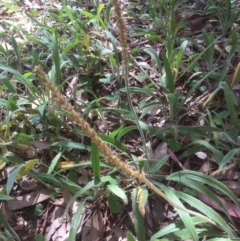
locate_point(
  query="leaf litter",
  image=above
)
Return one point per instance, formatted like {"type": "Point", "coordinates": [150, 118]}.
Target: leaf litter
{"type": "Point", "coordinates": [94, 225]}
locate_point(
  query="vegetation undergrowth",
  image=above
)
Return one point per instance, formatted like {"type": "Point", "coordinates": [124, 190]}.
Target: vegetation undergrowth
{"type": "Point", "coordinates": [125, 116]}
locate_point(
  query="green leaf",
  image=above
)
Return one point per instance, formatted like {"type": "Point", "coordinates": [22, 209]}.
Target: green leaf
{"type": "Point", "coordinates": [169, 75]}
{"type": "Point", "coordinates": [56, 58]}
{"type": "Point", "coordinates": [208, 211]}
{"type": "Point", "coordinates": [192, 179]}
{"type": "Point", "coordinates": [155, 57]}
{"type": "Point", "coordinates": [39, 237]}
{"type": "Point", "coordinates": [71, 144]}
{"type": "Point", "coordinates": [12, 178]}
{"type": "Point", "coordinates": [54, 163]}
{"type": "Point", "coordinates": [173, 103]}
{"type": "Point", "coordinates": [33, 89]}
{"type": "Point", "coordinates": [118, 192]}
{"type": "Point", "coordinates": [185, 217]}
{"type": "Point", "coordinates": [138, 219]}
{"type": "Point", "coordinates": [130, 237]}
{"type": "Point", "coordinates": [173, 228]}
{"type": "Point", "coordinates": [180, 54]}
{"type": "Point", "coordinates": [38, 210]}
{"type": "Point", "coordinates": [5, 197]}
{"type": "Point", "coordinates": [157, 164]}
{"type": "Point", "coordinates": [76, 221]}
{"type": "Point", "coordinates": [6, 225]}
{"type": "Point", "coordinates": [114, 205]}
{"type": "Point", "coordinates": [227, 158]}
{"type": "Point", "coordinates": [216, 152]}
{"type": "Point", "coordinates": [231, 102]}
{"type": "Point", "coordinates": [115, 143]}
{"type": "Point", "coordinates": [9, 85]}
{"type": "Point", "coordinates": [95, 161]}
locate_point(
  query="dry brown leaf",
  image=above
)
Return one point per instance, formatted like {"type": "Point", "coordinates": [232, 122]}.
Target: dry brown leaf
{"type": "Point", "coordinates": [29, 199]}
{"type": "Point", "coordinates": [117, 234]}
{"type": "Point", "coordinates": [206, 167]}
{"type": "Point", "coordinates": [60, 224]}
{"type": "Point", "coordinates": [233, 186]}
{"type": "Point", "coordinates": [42, 145]}
{"type": "Point", "coordinates": [160, 151]}
{"type": "Point", "coordinates": [94, 228]}
{"type": "Point", "coordinates": [56, 223]}
{"type": "Point", "coordinates": [8, 214]}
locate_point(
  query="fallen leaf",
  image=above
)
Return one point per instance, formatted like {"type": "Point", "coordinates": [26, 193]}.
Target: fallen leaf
{"type": "Point", "coordinates": [93, 229]}
{"type": "Point", "coordinates": [29, 199]}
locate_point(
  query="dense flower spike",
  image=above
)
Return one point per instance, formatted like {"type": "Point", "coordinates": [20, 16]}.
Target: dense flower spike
{"type": "Point", "coordinates": [102, 146]}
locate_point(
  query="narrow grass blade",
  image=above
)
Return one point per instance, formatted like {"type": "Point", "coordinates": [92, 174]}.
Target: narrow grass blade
{"type": "Point", "coordinates": [227, 158]}
{"type": "Point", "coordinates": [170, 77]}
{"type": "Point", "coordinates": [130, 237]}
{"type": "Point", "coordinates": [54, 163]}
{"type": "Point", "coordinates": [12, 178]}
{"type": "Point", "coordinates": [185, 176]}
{"type": "Point", "coordinates": [231, 102]}
{"type": "Point", "coordinates": [6, 225]}
{"type": "Point", "coordinates": [56, 58]}
{"type": "Point", "coordinates": [236, 77]}
{"type": "Point", "coordinates": [138, 219]}
{"type": "Point", "coordinates": [180, 54]}
{"type": "Point", "coordinates": [208, 211]}
{"type": "Point", "coordinates": [95, 161]}
{"type": "Point", "coordinates": [76, 221]}
{"type": "Point", "coordinates": [155, 57]}
{"type": "Point", "coordinates": [185, 217]}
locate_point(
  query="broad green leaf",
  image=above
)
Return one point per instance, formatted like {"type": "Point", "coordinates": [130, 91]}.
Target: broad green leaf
{"type": "Point", "coordinates": [118, 192]}
{"type": "Point", "coordinates": [125, 130]}
{"type": "Point", "coordinates": [115, 143]}
{"type": "Point", "coordinates": [114, 205]}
